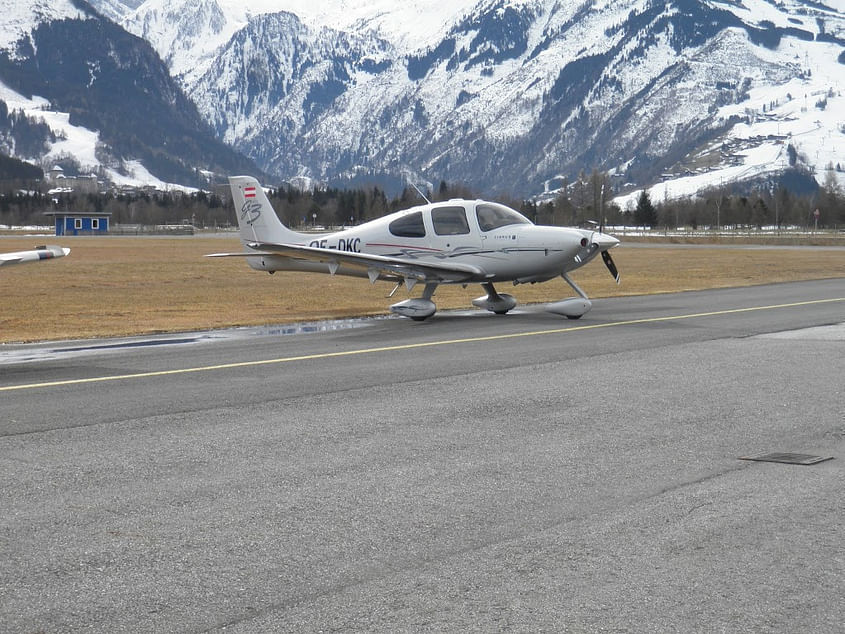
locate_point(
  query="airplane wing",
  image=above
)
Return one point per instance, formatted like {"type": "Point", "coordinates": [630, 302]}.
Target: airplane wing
{"type": "Point", "coordinates": [10, 258]}
{"type": "Point", "coordinates": [34, 255]}
{"type": "Point", "coordinates": [376, 265]}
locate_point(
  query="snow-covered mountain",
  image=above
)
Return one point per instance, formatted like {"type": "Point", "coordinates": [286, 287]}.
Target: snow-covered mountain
{"type": "Point", "coordinates": [513, 95]}
{"type": "Point", "coordinates": [79, 90]}
{"type": "Point", "coordinates": [189, 34]}
{"type": "Point", "coordinates": [115, 10]}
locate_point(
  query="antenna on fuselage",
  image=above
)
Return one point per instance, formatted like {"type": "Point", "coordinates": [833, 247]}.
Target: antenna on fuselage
{"type": "Point", "coordinates": [420, 193]}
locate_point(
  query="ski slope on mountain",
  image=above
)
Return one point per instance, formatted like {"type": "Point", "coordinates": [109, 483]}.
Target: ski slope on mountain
{"type": "Point", "coordinates": [80, 143]}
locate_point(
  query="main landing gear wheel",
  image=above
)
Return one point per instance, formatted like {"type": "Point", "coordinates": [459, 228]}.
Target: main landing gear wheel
{"type": "Point", "coordinates": [493, 301]}
{"type": "Point", "coordinates": [418, 308]}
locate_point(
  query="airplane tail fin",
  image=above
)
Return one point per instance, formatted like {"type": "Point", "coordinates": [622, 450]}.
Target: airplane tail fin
{"type": "Point", "coordinates": [257, 220]}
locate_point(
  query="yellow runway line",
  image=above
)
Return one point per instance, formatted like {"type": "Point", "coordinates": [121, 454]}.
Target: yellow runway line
{"type": "Point", "coordinates": [408, 346]}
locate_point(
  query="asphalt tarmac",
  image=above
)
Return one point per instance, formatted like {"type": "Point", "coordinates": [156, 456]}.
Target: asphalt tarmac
{"type": "Point", "coordinates": [471, 472]}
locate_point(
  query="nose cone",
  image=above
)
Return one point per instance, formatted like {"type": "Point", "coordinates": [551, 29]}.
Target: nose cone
{"type": "Point", "coordinates": [604, 241]}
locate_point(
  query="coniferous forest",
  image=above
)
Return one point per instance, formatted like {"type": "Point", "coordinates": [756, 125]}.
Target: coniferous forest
{"type": "Point", "coordinates": [24, 200]}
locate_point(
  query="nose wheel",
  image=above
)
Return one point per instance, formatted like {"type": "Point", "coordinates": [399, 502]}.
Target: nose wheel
{"type": "Point", "coordinates": [573, 307]}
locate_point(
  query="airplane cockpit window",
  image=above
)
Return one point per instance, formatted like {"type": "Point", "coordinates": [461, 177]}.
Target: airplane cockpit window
{"type": "Point", "coordinates": [492, 216]}
{"type": "Point", "coordinates": [408, 226]}
{"type": "Point", "coordinates": [449, 221]}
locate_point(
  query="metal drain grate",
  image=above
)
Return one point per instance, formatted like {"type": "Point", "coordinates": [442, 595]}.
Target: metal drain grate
{"type": "Point", "coordinates": [788, 458]}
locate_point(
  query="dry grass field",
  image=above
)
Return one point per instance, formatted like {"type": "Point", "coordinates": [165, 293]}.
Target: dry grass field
{"type": "Point", "coordinates": [139, 285]}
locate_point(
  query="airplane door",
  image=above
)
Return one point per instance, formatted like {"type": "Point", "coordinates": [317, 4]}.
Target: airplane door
{"type": "Point", "coordinates": [453, 233]}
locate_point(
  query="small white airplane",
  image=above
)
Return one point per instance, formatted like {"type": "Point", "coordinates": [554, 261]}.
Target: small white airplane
{"type": "Point", "coordinates": [452, 242]}
{"type": "Point", "coordinates": [35, 255]}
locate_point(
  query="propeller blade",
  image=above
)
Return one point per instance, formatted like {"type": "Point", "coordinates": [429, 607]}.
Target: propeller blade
{"type": "Point", "coordinates": [608, 261]}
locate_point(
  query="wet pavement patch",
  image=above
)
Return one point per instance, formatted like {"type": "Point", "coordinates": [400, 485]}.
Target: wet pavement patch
{"type": "Point", "coordinates": [788, 458]}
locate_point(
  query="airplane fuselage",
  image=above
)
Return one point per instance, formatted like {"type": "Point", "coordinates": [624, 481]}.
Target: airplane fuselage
{"type": "Point", "coordinates": [456, 231]}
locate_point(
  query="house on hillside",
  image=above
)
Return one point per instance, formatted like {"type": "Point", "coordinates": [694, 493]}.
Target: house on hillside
{"type": "Point", "coordinates": [55, 174]}
{"type": "Point", "coordinates": [84, 183]}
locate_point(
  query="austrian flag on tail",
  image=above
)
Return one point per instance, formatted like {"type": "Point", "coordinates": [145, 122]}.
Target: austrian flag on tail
{"type": "Point", "coordinates": [249, 192]}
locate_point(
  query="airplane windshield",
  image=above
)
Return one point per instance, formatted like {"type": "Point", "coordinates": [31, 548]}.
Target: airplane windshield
{"type": "Point", "coordinates": [492, 216]}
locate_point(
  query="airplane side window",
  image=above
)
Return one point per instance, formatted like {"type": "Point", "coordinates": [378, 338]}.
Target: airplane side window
{"type": "Point", "coordinates": [408, 226]}
{"type": "Point", "coordinates": [449, 221]}
{"type": "Point", "coordinates": [491, 216]}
